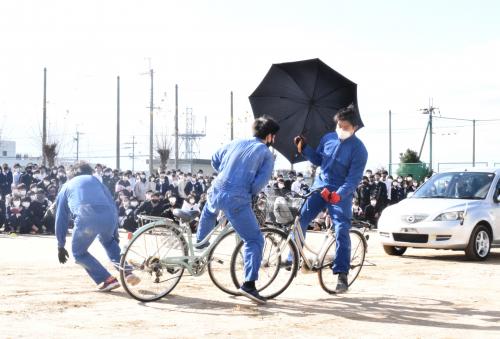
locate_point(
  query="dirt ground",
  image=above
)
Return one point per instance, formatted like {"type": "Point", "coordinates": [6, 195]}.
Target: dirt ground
{"type": "Point", "coordinates": [425, 293]}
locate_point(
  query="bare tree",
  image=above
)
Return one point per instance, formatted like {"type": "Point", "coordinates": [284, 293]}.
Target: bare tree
{"type": "Point", "coordinates": [50, 150]}
{"type": "Point", "coordinates": [163, 148]}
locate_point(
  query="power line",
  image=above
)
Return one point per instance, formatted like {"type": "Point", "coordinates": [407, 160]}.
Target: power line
{"type": "Point", "coordinates": [464, 119]}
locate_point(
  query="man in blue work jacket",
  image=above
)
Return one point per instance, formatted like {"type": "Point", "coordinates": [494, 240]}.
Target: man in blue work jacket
{"type": "Point", "coordinates": [244, 167]}
{"type": "Point", "coordinates": [342, 157]}
{"type": "Point", "coordinates": [89, 203]}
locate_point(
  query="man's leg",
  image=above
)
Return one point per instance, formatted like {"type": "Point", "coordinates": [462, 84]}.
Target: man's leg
{"type": "Point", "coordinates": [207, 222]}
{"type": "Point", "coordinates": [244, 222]}
{"type": "Point", "coordinates": [109, 240]}
{"type": "Point", "coordinates": [310, 210]}
{"type": "Point", "coordinates": [342, 224]}
{"type": "Point", "coordinates": [82, 239]}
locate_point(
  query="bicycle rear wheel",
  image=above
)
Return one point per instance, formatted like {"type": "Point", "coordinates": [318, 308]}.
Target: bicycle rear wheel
{"type": "Point", "coordinates": [151, 256]}
{"type": "Point", "coordinates": [219, 262]}
{"type": "Point", "coordinates": [280, 262]}
{"type": "Point", "coordinates": [327, 279]}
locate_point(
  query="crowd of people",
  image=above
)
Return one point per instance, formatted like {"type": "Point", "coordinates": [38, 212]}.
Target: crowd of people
{"type": "Point", "coordinates": [28, 195]}
{"type": "Point", "coordinates": [375, 192]}
{"type": "Point", "coordinates": [379, 190]}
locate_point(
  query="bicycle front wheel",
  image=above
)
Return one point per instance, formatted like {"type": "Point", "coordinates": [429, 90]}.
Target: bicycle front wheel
{"type": "Point", "coordinates": [219, 262]}
{"type": "Point", "coordinates": [279, 265]}
{"type": "Point", "coordinates": [154, 257]}
{"type": "Point", "coordinates": [327, 279]}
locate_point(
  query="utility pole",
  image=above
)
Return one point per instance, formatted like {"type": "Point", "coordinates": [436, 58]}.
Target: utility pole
{"type": "Point", "coordinates": [44, 131]}
{"type": "Point", "coordinates": [151, 107]}
{"type": "Point", "coordinates": [473, 143]}
{"type": "Point", "coordinates": [430, 110]}
{"type": "Point", "coordinates": [176, 126]}
{"type": "Point", "coordinates": [390, 142]}
{"type": "Point", "coordinates": [133, 143]}
{"type": "Point", "coordinates": [118, 122]}
{"type": "Point", "coordinates": [77, 139]}
{"type": "Point", "coordinates": [232, 118]}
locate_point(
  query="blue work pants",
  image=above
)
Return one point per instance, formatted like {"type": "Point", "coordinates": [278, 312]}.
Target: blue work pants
{"type": "Point", "coordinates": [84, 234]}
{"type": "Point", "coordinates": [341, 218]}
{"type": "Point", "coordinates": [238, 211]}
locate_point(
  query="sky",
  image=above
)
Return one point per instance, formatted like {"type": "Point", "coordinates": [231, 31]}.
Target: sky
{"type": "Point", "coordinates": [403, 55]}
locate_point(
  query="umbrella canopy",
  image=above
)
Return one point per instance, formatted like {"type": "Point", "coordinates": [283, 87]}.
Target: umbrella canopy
{"type": "Point", "coordinates": [303, 97]}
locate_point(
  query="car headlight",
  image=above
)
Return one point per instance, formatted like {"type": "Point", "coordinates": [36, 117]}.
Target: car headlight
{"type": "Point", "coordinates": [450, 216]}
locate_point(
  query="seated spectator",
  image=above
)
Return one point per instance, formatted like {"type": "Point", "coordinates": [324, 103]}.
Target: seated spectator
{"type": "Point", "coordinates": [153, 207]}
{"type": "Point", "coordinates": [298, 186]}
{"type": "Point", "coordinates": [39, 205]}
{"type": "Point", "coordinates": [20, 218]}
{"type": "Point", "coordinates": [370, 212]}
{"type": "Point", "coordinates": [126, 214]}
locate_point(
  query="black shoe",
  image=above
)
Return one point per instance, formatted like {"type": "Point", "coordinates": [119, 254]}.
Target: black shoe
{"type": "Point", "coordinates": [252, 294]}
{"type": "Point", "coordinates": [342, 284]}
{"type": "Point", "coordinates": [202, 246]}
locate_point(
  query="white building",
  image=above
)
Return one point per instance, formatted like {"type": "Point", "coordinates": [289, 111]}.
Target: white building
{"type": "Point", "coordinates": [7, 149]}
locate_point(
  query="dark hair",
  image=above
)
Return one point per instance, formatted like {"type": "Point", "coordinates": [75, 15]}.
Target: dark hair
{"type": "Point", "coordinates": [81, 168]}
{"type": "Point", "coordinates": [347, 114]}
{"type": "Point", "coordinates": [264, 126]}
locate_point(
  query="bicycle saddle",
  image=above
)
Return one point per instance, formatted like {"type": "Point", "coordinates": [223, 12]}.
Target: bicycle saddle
{"type": "Point", "coordinates": [185, 216]}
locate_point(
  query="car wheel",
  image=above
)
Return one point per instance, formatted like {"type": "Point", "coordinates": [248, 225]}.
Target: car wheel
{"type": "Point", "coordinates": [394, 250]}
{"type": "Point", "coordinates": [479, 244]}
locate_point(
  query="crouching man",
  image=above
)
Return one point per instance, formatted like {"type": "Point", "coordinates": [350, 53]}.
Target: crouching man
{"type": "Point", "coordinates": [90, 204]}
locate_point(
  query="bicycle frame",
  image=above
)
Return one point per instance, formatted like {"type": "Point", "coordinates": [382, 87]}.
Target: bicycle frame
{"type": "Point", "coordinates": [192, 261]}
{"type": "Point", "coordinates": [297, 237]}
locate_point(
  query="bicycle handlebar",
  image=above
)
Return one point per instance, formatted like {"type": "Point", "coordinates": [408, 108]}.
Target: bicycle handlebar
{"type": "Point", "coordinates": [307, 195]}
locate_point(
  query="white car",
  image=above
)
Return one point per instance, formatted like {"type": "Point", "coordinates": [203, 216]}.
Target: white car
{"type": "Point", "coordinates": [452, 210]}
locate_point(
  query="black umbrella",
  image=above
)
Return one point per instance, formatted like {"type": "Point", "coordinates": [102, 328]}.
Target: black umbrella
{"type": "Point", "coordinates": [303, 96]}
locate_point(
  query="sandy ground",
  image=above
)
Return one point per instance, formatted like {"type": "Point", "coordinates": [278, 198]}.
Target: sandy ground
{"type": "Point", "coordinates": [425, 293]}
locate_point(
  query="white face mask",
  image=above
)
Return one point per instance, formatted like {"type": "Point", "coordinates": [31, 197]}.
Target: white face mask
{"type": "Point", "coordinates": [17, 203]}
{"type": "Point", "coordinates": [172, 201]}
{"type": "Point", "coordinates": [134, 203]}
{"type": "Point", "coordinates": [373, 202]}
{"type": "Point", "coordinates": [191, 201]}
{"type": "Point", "coordinates": [281, 185]}
{"type": "Point", "coordinates": [343, 134]}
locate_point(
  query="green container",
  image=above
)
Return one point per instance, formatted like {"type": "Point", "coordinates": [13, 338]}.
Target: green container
{"type": "Point", "coordinates": [417, 171]}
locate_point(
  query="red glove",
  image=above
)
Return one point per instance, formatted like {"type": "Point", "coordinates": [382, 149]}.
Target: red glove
{"type": "Point", "coordinates": [331, 197]}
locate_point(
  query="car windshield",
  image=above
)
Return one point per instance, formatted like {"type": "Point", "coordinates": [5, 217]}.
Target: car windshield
{"type": "Point", "coordinates": [456, 185]}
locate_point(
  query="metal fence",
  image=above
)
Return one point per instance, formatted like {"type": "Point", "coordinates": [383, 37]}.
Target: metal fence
{"type": "Point", "coordinates": [439, 167]}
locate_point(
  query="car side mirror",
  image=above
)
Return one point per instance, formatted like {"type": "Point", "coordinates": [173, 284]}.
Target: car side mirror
{"type": "Point", "coordinates": [496, 198]}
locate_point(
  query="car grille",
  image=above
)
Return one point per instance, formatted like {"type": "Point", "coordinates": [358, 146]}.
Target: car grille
{"type": "Point", "coordinates": [415, 238]}
{"type": "Point", "coordinates": [413, 218]}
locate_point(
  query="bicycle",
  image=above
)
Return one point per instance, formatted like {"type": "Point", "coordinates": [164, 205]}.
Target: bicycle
{"type": "Point", "coordinates": [160, 251]}
{"type": "Point", "coordinates": [281, 255]}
